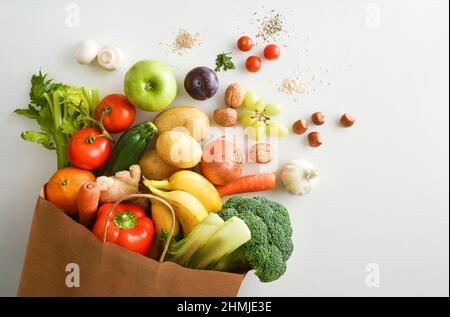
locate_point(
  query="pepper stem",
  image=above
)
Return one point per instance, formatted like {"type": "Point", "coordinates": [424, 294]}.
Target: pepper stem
{"type": "Point", "coordinates": [125, 220]}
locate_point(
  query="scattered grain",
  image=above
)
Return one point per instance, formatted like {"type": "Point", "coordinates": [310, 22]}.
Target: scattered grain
{"type": "Point", "coordinates": [293, 87]}
{"type": "Point", "coordinates": [185, 41]}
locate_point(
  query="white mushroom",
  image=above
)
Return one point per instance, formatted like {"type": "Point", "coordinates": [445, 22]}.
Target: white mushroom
{"type": "Point", "coordinates": [86, 51]}
{"type": "Point", "coordinates": [299, 177]}
{"type": "Point", "coordinates": [110, 57]}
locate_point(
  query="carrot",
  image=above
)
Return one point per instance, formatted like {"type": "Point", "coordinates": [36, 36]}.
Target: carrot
{"type": "Point", "coordinates": [249, 183]}
{"type": "Point", "coordinates": [88, 197]}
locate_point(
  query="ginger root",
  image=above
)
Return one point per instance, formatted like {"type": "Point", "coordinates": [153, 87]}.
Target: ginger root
{"type": "Point", "coordinates": [112, 188]}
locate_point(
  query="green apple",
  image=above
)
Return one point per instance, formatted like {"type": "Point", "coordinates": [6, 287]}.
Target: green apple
{"type": "Point", "coordinates": [150, 85]}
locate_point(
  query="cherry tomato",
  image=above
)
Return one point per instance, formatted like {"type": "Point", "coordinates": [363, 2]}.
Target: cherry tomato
{"type": "Point", "coordinates": [87, 149]}
{"type": "Point", "coordinates": [119, 113]}
{"type": "Point", "coordinates": [245, 43]}
{"type": "Point", "coordinates": [271, 52]}
{"type": "Point", "coordinates": [253, 64]}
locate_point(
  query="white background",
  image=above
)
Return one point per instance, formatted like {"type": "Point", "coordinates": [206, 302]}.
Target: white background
{"type": "Point", "coordinates": [383, 196]}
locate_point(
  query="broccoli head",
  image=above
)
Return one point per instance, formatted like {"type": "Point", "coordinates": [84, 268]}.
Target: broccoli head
{"type": "Point", "coordinates": [270, 245]}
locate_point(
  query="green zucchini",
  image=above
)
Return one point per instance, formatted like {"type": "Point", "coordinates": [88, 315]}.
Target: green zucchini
{"type": "Point", "coordinates": [129, 148]}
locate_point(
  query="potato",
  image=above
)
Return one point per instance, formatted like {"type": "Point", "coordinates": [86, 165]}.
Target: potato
{"type": "Point", "coordinates": [186, 119]}
{"type": "Point", "coordinates": [155, 168]}
{"type": "Point", "coordinates": [178, 149]}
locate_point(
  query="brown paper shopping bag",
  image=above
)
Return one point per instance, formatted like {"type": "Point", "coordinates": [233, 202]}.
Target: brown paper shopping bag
{"type": "Point", "coordinates": [57, 244]}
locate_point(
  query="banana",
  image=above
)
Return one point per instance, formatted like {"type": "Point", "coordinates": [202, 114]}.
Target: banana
{"type": "Point", "coordinates": [188, 209]}
{"type": "Point", "coordinates": [162, 217]}
{"type": "Point", "coordinates": [194, 184]}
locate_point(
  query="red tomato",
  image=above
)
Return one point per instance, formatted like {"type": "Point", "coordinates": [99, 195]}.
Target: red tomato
{"type": "Point", "coordinates": [253, 64]}
{"type": "Point", "coordinates": [119, 113]}
{"type": "Point", "coordinates": [272, 52]}
{"type": "Point", "coordinates": [245, 43]}
{"type": "Point", "coordinates": [87, 149]}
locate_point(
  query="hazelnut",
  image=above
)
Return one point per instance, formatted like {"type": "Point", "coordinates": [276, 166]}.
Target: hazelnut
{"type": "Point", "coordinates": [226, 117]}
{"type": "Point", "coordinates": [261, 153]}
{"type": "Point", "coordinates": [300, 126]}
{"type": "Point", "coordinates": [318, 118]}
{"type": "Point", "coordinates": [234, 95]}
{"type": "Point", "coordinates": [315, 139]}
{"type": "Point", "coordinates": [347, 120]}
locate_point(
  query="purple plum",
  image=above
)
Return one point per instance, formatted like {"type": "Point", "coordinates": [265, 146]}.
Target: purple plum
{"type": "Point", "coordinates": [201, 83]}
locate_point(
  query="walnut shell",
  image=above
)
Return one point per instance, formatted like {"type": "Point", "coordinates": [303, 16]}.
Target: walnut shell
{"type": "Point", "coordinates": [261, 153]}
{"type": "Point", "coordinates": [226, 117]}
{"type": "Point", "coordinates": [234, 95]}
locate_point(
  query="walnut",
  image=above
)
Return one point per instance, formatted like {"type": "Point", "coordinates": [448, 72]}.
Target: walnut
{"type": "Point", "coordinates": [234, 95]}
{"type": "Point", "coordinates": [226, 117]}
{"type": "Point", "coordinates": [261, 153]}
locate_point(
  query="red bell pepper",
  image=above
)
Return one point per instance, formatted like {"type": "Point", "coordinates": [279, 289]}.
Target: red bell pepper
{"type": "Point", "coordinates": [128, 227]}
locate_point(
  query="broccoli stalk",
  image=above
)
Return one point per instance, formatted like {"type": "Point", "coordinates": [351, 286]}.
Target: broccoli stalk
{"type": "Point", "coordinates": [208, 242]}
{"type": "Point", "coordinates": [234, 262]}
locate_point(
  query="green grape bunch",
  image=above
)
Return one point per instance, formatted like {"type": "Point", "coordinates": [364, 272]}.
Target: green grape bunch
{"type": "Point", "coordinates": [257, 115]}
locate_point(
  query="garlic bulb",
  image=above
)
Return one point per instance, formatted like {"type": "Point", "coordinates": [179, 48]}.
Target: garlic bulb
{"type": "Point", "coordinates": [86, 51]}
{"type": "Point", "coordinates": [110, 58]}
{"type": "Point", "coordinates": [299, 177]}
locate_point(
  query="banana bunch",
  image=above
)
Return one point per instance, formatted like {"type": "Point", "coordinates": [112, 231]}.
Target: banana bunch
{"type": "Point", "coordinates": [191, 196]}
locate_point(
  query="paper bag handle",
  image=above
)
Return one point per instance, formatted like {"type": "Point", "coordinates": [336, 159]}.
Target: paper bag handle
{"type": "Point", "coordinates": [149, 196]}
